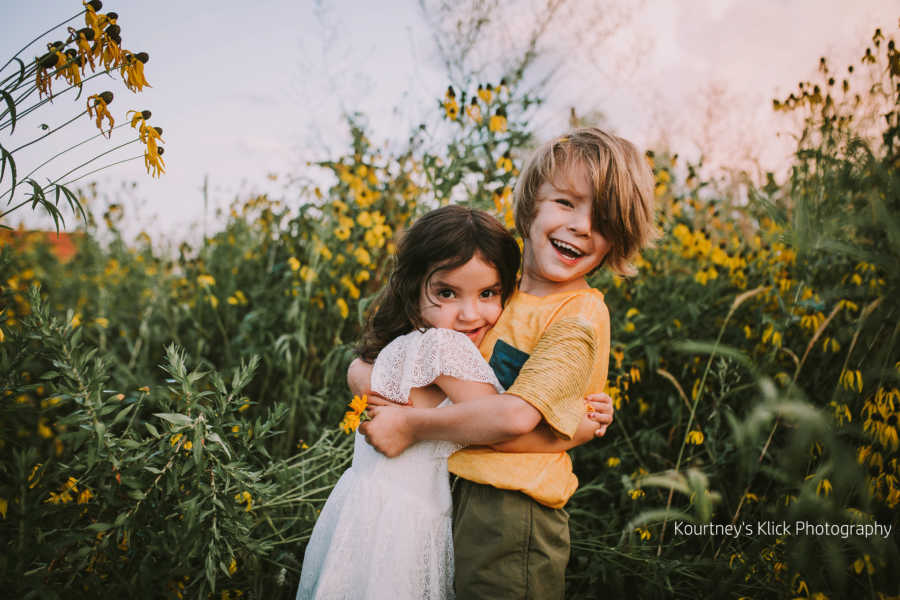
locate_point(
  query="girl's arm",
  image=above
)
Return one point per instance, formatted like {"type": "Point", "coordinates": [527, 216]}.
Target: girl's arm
{"type": "Point", "coordinates": [506, 417]}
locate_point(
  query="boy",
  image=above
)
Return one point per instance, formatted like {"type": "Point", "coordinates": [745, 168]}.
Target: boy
{"type": "Point", "coordinates": [583, 200]}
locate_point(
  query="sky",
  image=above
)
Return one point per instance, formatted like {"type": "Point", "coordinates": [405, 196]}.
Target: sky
{"type": "Point", "coordinates": [248, 93]}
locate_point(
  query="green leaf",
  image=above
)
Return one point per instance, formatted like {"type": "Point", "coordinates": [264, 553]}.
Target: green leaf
{"type": "Point", "coordinates": [153, 431]}
{"type": "Point", "coordinates": [11, 105]}
{"type": "Point", "coordinates": [99, 527]}
{"type": "Point", "coordinates": [215, 438]}
{"type": "Point", "coordinates": [72, 200]}
{"type": "Point", "coordinates": [176, 419]}
{"type": "Point", "coordinates": [6, 156]}
{"type": "Point", "coordinates": [123, 413]}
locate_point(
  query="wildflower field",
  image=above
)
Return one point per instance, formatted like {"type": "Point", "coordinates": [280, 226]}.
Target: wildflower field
{"type": "Point", "coordinates": [170, 423]}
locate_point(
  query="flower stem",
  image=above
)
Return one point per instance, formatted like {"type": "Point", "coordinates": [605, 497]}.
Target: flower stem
{"type": "Point", "coordinates": [25, 47]}
{"type": "Point", "coordinates": [54, 130]}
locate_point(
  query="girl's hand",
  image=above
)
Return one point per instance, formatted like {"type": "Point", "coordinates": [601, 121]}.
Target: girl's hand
{"type": "Point", "coordinates": [387, 431]}
{"type": "Point", "coordinates": [600, 410]}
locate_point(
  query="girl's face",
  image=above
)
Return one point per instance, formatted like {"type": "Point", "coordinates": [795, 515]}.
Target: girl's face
{"type": "Point", "coordinates": [465, 299]}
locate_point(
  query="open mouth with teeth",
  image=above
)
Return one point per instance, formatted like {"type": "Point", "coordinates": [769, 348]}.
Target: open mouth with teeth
{"type": "Point", "coordinates": [568, 251]}
{"type": "Point", "coordinates": [472, 333]}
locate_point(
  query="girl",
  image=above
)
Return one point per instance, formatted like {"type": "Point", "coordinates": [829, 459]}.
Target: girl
{"type": "Point", "coordinates": [385, 530]}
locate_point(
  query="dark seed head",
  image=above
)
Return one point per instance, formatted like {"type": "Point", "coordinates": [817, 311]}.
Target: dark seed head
{"type": "Point", "coordinates": [88, 33]}
{"type": "Point", "coordinates": [158, 130]}
{"type": "Point", "coordinates": [107, 96]}
{"type": "Point", "coordinates": [489, 87]}
{"type": "Point", "coordinates": [113, 30]}
{"type": "Point", "coordinates": [95, 4]}
{"type": "Point", "coordinates": [160, 150]}
{"type": "Point", "coordinates": [111, 15]}
{"type": "Point", "coordinates": [71, 53]}
{"type": "Point", "coordinates": [47, 61]}
{"type": "Point", "coordinates": [57, 45]}
{"type": "Point", "coordinates": [146, 114]}
{"type": "Point", "coordinates": [117, 39]}
{"type": "Point", "coordinates": [450, 92]}
{"type": "Point", "coordinates": [143, 57]}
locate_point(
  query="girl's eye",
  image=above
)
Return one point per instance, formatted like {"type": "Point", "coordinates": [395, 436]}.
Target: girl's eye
{"type": "Point", "coordinates": [445, 294]}
{"type": "Point", "coordinates": [564, 202]}
{"type": "Point", "coordinates": [488, 293]}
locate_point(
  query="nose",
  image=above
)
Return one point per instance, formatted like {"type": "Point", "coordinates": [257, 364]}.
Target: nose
{"type": "Point", "coordinates": [468, 310]}
{"type": "Point", "coordinates": [580, 221]}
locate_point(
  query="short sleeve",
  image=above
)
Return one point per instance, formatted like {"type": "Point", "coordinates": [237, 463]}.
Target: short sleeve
{"type": "Point", "coordinates": [419, 357]}
{"type": "Point", "coordinates": [554, 379]}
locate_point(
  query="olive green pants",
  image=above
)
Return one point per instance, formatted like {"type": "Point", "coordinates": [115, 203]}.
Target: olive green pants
{"type": "Point", "coordinates": [506, 545]}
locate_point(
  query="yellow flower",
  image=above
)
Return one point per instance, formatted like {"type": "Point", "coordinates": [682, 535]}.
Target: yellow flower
{"type": "Point", "coordinates": [497, 124]}
{"type": "Point", "coordinates": [451, 108]}
{"type": "Point", "coordinates": [206, 280]}
{"type": "Point", "coordinates": [613, 461]}
{"type": "Point", "coordinates": [244, 497]}
{"type": "Point", "coordinates": [132, 70]}
{"type": "Point", "coordinates": [232, 566]}
{"type": "Point", "coordinates": [629, 327]}
{"type": "Point", "coordinates": [2, 336]}
{"type": "Point", "coordinates": [294, 264]}
{"type": "Point", "coordinates": [362, 276]}
{"type": "Point", "coordinates": [824, 486]}
{"type": "Point", "coordinates": [365, 219]}
{"type": "Point", "coordinates": [42, 429]}
{"type": "Point", "coordinates": [341, 233]}
{"type": "Point", "coordinates": [362, 256]}
{"type": "Point", "coordinates": [145, 389]}
{"type": "Point", "coordinates": [4, 506]}
{"type": "Point", "coordinates": [188, 445]}
{"type": "Point", "coordinates": [307, 274]}
{"type": "Point", "coordinates": [350, 421]}
{"type": "Point", "coordinates": [636, 493]}
{"type": "Point", "coordinates": [864, 563]}
{"type": "Point", "coordinates": [635, 374]}
{"type": "Point", "coordinates": [99, 110]}
{"type": "Point", "coordinates": [213, 301]}
{"type": "Point", "coordinates": [618, 354]}
{"type": "Point", "coordinates": [486, 93]}
{"type": "Point", "coordinates": [358, 404]}
{"type": "Point", "coordinates": [474, 111]}
{"type": "Point", "coordinates": [85, 496]}
{"type": "Point", "coordinates": [343, 308]}
{"type": "Point", "coordinates": [644, 533]}
{"type": "Point", "coordinates": [632, 312]}
{"type": "Point", "coordinates": [76, 320]}
{"type": "Point", "coordinates": [102, 322]}
{"type": "Point", "coordinates": [851, 380]}
{"type": "Point", "coordinates": [175, 439]}
{"type": "Point", "coordinates": [695, 437]}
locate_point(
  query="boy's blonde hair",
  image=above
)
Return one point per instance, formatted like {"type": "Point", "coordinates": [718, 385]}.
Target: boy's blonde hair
{"type": "Point", "coordinates": [622, 185]}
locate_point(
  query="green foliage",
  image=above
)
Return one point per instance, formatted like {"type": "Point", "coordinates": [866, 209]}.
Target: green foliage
{"type": "Point", "coordinates": [169, 423]}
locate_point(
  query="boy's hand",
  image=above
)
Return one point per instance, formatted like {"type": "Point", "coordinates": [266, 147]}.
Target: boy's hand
{"type": "Point", "coordinates": [600, 409]}
{"type": "Point", "coordinates": [387, 431]}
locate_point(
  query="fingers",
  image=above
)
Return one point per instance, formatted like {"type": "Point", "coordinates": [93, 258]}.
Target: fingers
{"type": "Point", "coordinates": [376, 400]}
{"type": "Point", "coordinates": [600, 432]}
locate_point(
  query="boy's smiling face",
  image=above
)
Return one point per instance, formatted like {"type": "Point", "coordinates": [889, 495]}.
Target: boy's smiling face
{"type": "Point", "coordinates": [562, 247]}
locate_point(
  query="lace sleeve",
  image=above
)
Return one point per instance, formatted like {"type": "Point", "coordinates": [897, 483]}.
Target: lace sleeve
{"type": "Point", "coordinates": [418, 358]}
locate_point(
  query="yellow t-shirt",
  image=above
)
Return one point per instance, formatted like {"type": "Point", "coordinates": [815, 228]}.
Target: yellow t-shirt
{"type": "Point", "coordinates": [555, 375]}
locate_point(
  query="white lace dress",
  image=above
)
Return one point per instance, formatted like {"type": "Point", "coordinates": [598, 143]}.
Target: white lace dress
{"type": "Point", "coordinates": [385, 531]}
